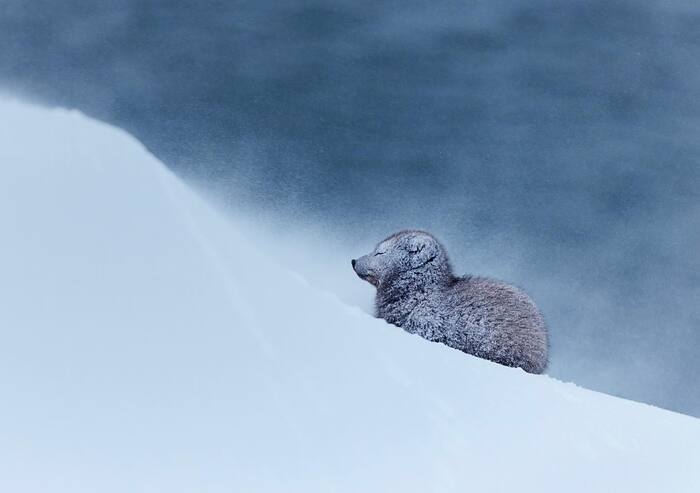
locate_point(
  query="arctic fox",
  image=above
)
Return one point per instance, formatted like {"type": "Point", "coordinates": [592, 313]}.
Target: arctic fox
{"type": "Point", "coordinates": [416, 290]}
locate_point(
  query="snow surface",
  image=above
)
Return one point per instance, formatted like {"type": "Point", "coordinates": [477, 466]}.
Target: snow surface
{"type": "Point", "coordinates": [146, 345]}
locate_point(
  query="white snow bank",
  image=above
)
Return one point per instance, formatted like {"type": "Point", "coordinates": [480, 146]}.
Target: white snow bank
{"type": "Point", "coordinates": [146, 346]}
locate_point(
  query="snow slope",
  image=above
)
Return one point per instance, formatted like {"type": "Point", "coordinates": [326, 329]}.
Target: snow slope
{"type": "Point", "coordinates": [147, 346]}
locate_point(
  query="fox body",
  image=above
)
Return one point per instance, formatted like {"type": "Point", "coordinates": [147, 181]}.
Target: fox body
{"type": "Point", "coordinates": [416, 290]}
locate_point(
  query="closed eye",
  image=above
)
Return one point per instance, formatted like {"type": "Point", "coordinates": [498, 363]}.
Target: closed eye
{"type": "Point", "coordinates": [379, 253]}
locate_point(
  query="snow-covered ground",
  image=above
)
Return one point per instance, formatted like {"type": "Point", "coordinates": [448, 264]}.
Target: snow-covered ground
{"type": "Point", "coordinates": [147, 345]}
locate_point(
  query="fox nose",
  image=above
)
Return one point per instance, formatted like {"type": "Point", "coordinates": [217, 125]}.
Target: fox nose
{"type": "Point", "coordinates": [353, 261]}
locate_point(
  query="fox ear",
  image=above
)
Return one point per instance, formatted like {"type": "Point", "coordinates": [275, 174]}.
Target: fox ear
{"type": "Point", "coordinates": [417, 245]}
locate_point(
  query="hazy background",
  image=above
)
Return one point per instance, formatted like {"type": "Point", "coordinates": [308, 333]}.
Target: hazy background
{"type": "Point", "coordinates": [553, 144]}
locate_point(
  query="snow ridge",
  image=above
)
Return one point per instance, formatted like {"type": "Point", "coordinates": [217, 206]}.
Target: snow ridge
{"type": "Point", "coordinates": [146, 345]}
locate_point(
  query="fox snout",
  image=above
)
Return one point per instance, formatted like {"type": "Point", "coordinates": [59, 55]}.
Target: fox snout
{"type": "Point", "coordinates": [363, 270]}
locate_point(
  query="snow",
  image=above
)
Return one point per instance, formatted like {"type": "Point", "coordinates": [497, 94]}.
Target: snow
{"type": "Point", "coordinates": [146, 344]}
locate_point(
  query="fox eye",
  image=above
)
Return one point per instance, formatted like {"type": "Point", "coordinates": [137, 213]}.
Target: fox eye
{"type": "Point", "coordinates": [379, 253]}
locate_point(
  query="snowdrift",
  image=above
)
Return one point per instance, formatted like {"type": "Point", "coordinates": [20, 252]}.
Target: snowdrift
{"type": "Point", "coordinates": [146, 345]}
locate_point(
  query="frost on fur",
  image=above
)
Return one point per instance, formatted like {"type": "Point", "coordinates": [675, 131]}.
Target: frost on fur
{"type": "Point", "coordinates": [416, 290]}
